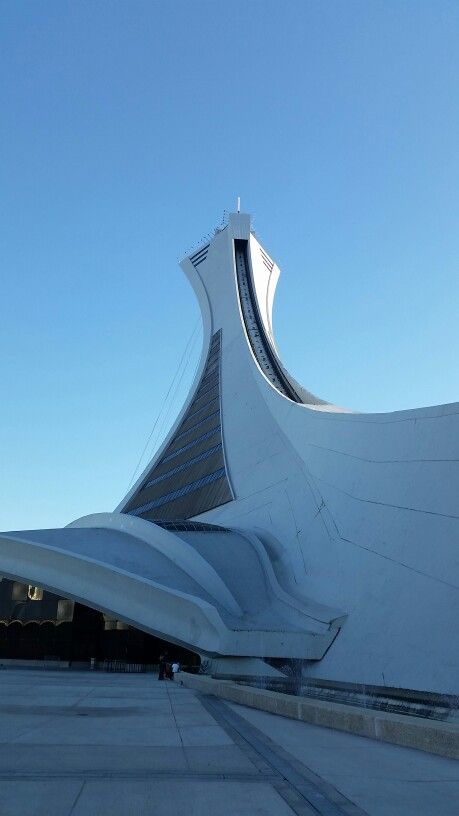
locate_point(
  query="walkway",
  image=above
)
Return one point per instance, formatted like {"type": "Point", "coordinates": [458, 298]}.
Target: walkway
{"type": "Point", "coordinates": [90, 744]}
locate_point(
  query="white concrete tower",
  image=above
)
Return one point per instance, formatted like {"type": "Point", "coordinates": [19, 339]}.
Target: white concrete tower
{"type": "Point", "coordinates": [272, 523]}
{"type": "Point", "coordinates": [357, 511]}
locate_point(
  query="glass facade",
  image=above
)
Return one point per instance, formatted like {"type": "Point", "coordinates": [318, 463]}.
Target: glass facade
{"type": "Point", "coordinates": [199, 458]}
{"type": "Point", "coordinates": [190, 476]}
{"type": "Point", "coordinates": [181, 491]}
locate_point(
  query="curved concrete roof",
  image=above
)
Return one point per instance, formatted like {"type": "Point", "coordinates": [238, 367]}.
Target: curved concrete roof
{"type": "Point", "coordinates": [224, 600]}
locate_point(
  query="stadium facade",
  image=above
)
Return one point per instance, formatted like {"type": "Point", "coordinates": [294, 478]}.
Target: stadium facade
{"type": "Point", "coordinates": [271, 523]}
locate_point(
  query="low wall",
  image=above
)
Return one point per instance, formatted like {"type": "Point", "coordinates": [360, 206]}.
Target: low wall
{"type": "Point", "coordinates": [13, 663]}
{"type": "Point", "coordinates": [399, 729]}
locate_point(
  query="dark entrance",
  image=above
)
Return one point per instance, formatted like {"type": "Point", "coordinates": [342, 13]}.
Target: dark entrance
{"type": "Point", "coordinates": [36, 624]}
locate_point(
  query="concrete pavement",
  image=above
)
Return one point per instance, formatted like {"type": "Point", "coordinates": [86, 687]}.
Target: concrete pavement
{"type": "Point", "coordinates": [382, 779]}
{"type": "Point", "coordinates": [74, 743]}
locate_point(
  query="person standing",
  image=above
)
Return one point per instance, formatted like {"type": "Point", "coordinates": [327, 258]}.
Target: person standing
{"type": "Point", "coordinates": [162, 666]}
{"type": "Point", "coordinates": [175, 669]}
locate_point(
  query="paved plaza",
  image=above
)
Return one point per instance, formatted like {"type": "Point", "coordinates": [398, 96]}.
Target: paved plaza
{"type": "Point", "coordinates": [88, 743]}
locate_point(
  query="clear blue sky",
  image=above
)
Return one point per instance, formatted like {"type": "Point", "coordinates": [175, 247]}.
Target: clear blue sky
{"type": "Point", "coordinates": [128, 127]}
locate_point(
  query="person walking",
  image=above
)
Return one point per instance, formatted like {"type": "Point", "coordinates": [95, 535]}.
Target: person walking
{"type": "Point", "coordinates": [175, 669]}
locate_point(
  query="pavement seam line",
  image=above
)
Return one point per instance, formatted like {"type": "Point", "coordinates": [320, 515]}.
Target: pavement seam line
{"type": "Point", "coordinates": [178, 729]}
{"type": "Point", "coordinates": [257, 761]}
{"type": "Point", "coordinates": [87, 776]}
{"type": "Point", "coordinates": [77, 798]}
{"type": "Point", "coordinates": [321, 795]}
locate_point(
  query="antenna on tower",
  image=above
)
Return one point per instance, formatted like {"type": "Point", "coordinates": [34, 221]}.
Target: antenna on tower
{"type": "Point", "coordinates": [238, 204]}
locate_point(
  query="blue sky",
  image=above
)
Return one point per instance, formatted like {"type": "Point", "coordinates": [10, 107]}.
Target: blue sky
{"type": "Point", "coordinates": [127, 128]}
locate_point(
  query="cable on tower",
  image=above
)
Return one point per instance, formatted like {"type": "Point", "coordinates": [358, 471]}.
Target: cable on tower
{"type": "Point", "coordinates": [186, 354]}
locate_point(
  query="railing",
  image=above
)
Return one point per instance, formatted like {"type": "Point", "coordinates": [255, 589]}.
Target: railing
{"type": "Point", "coordinates": [427, 705]}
